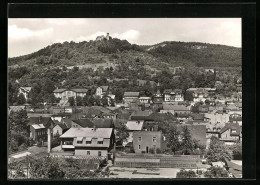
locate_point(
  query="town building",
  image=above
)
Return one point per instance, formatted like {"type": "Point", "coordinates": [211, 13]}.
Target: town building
{"type": "Point", "coordinates": [145, 99]}
{"type": "Point", "coordinates": [59, 129]}
{"type": "Point", "coordinates": [102, 37]}
{"type": "Point", "coordinates": [25, 91]}
{"type": "Point", "coordinates": [92, 142]}
{"type": "Point", "coordinates": [41, 129]}
{"type": "Point", "coordinates": [173, 95]}
{"type": "Point", "coordinates": [131, 97]}
{"type": "Point", "coordinates": [65, 94]}
{"type": "Point", "coordinates": [101, 90]}
{"type": "Point", "coordinates": [201, 94]}
{"type": "Point", "coordinates": [176, 109]}
{"type": "Point", "coordinates": [145, 141]}
{"type": "Point", "coordinates": [230, 133]}
{"type": "Point", "coordinates": [131, 127]}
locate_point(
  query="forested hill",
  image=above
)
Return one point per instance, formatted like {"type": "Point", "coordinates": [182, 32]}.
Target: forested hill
{"type": "Point", "coordinates": [200, 54]}
{"type": "Point", "coordinates": [173, 53]}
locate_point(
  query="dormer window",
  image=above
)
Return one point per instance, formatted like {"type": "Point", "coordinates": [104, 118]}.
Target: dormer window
{"type": "Point", "coordinates": [100, 141]}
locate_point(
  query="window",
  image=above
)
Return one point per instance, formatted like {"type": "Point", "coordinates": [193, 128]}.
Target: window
{"type": "Point", "coordinates": [88, 152]}
{"type": "Point", "coordinates": [155, 139]}
{"type": "Point", "coordinates": [79, 142]}
{"type": "Point", "coordinates": [99, 153]}
{"type": "Point", "coordinates": [100, 142]}
{"type": "Point", "coordinates": [139, 138]}
{"type": "Point", "coordinates": [88, 142]}
{"type": "Point", "coordinates": [139, 147]}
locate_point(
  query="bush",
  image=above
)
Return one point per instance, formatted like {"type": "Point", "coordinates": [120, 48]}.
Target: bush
{"type": "Point", "coordinates": [186, 174]}
{"type": "Point", "coordinates": [151, 151]}
{"type": "Point", "coordinates": [158, 151]}
{"type": "Point", "coordinates": [216, 172]}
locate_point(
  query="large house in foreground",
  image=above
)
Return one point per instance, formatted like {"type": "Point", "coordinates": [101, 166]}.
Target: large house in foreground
{"type": "Point", "coordinates": [145, 141]}
{"type": "Point", "coordinates": [95, 142]}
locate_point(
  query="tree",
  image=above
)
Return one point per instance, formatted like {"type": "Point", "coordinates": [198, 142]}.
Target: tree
{"type": "Point", "coordinates": [173, 141]}
{"type": "Point", "coordinates": [122, 132]}
{"type": "Point", "coordinates": [85, 101]}
{"type": "Point", "coordinates": [98, 101]}
{"type": "Point", "coordinates": [79, 101]}
{"type": "Point", "coordinates": [21, 99]}
{"type": "Point", "coordinates": [16, 170]}
{"type": "Point", "coordinates": [188, 96]}
{"type": "Point", "coordinates": [112, 102]}
{"type": "Point", "coordinates": [104, 100]}
{"type": "Point", "coordinates": [217, 151]}
{"type": "Point", "coordinates": [18, 133]}
{"type": "Point", "coordinates": [195, 108]}
{"type": "Point", "coordinates": [237, 151]}
{"type": "Point", "coordinates": [71, 101]}
{"type": "Point", "coordinates": [187, 145]}
{"type": "Point", "coordinates": [216, 172]}
{"type": "Point", "coordinates": [46, 167]}
{"type": "Point", "coordinates": [52, 99]}
{"type": "Point", "coordinates": [91, 101]}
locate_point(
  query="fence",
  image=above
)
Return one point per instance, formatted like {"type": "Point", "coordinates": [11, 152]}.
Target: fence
{"type": "Point", "coordinates": [157, 160]}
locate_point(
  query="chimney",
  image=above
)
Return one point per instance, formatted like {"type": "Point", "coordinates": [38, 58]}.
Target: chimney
{"type": "Point", "coordinates": [40, 119]}
{"type": "Point", "coordinates": [94, 128]}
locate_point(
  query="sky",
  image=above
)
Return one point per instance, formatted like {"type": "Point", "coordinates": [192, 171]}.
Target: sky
{"type": "Point", "coordinates": [29, 35]}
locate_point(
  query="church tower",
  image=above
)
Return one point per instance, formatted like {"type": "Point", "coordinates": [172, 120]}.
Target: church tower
{"type": "Point", "coordinates": [107, 37]}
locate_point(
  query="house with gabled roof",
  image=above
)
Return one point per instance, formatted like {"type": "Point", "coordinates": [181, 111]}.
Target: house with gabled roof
{"type": "Point", "coordinates": [82, 123]}
{"type": "Point", "coordinates": [92, 142]}
{"type": "Point", "coordinates": [25, 91]}
{"type": "Point", "coordinates": [131, 127]}
{"type": "Point", "coordinates": [230, 133]}
{"type": "Point", "coordinates": [38, 127]}
{"type": "Point", "coordinates": [59, 129]}
{"type": "Point", "coordinates": [101, 90]}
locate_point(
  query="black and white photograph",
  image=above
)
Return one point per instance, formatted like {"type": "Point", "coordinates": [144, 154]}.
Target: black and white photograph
{"type": "Point", "coordinates": [124, 98]}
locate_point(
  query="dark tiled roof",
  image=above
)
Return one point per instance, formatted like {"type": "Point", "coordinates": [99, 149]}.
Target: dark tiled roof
{"type": "Point", "coordinates": [175, 107]}
{"type": "Point", "coordinates": [39, 120]}
{"type": "Point", "coordinates": [104, 88]}
{"type": "Point", "coordinates": [197, 116]}
{"type": "Point", "coordinates": [84, 123]}
{"type": "Point", "coordinates": [233, 126]}
{"type": "Point", "coordinates": [80, 90]}
{"type": "Point", "coordinates": [103, 123]}
{"type": "Point", "coordinates": [66, 121]}
{"type": "Point", "coordinates": [167, 91]}
{"type": "Point", "coordinates": [59, 90]}
{"type": "Point", "coordinates": [123, 116]}
{"type": "Point", "coordinates": [63, 126]}
{"type": "Point", "coordinates": [131, 94]}
{"type": "Point", "coordinates": [140, 115]}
